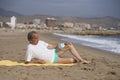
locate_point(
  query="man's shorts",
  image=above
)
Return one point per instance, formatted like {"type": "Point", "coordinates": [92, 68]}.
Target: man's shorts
{"type": "Point", "coordinates": [56, 56]}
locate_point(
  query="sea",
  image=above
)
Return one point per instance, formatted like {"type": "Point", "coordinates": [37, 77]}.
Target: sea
{"type": "Point", "coordinates": [107, 43]}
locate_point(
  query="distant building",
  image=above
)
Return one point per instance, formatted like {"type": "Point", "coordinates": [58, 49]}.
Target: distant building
{"type": "Point", "coordinates": [82, 26]}
{"type": "Point", "coordinates": [36, 22]}
{"type": "Point", "coordinates": [50, 22]}
{"type": "Point", "coordinates": [1, 24]}
{"type": "Point", "coordinates": [20, 26]}
{"type": "Point", "coordinates": [68, 24]}
{"type": "Point", "coordinates": [13, 22]}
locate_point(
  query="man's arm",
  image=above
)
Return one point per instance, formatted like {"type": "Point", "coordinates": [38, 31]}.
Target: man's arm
{"type": "Point", "coordinates": [67, 43]}
{"type": "Point", "coordinates": [51, 46]}
{"type": "Point", "coordinates": [35, 62]}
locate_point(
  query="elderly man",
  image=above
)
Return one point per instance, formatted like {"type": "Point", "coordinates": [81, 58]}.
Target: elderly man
{"type": "Point", "coordinates": [41, 52]}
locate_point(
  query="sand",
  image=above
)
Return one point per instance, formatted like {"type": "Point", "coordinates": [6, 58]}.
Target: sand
{"type": "Point", "coordinates": [104, 65]}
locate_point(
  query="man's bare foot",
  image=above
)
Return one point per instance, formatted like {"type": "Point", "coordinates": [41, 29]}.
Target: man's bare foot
{"type": "Point", "coordinates": [84, 62]}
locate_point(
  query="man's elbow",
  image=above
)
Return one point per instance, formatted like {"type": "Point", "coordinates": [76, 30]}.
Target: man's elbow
{"type": "Point", "coordinates": [26, 62]}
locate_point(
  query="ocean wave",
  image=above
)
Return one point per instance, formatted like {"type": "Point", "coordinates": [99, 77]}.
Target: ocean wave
{"type": "Point", "coordinates": [108, 43]}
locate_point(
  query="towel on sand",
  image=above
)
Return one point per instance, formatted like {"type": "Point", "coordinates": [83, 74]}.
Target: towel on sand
{"type": "Point", "coordinates": [15, 63]}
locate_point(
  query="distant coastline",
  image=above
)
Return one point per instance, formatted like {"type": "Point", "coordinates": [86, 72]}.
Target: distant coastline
{"type": "Point", "coordinates": [93, 32]}
{"type": "Point", "coordinates": [99, 33]}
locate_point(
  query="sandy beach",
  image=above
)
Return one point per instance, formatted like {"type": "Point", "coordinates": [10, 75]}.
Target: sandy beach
{"type": "Point", "coordinates": [103, 65]}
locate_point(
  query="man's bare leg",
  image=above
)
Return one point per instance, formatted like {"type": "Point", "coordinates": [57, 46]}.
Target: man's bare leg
{"type": "Point", "coordinates": [65, 60]}
{"type": "Point", "coordinates": [74, 52]}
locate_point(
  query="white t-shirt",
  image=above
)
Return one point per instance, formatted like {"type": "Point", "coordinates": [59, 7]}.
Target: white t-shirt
{"type": "Point", "coordinates": [40, 51]}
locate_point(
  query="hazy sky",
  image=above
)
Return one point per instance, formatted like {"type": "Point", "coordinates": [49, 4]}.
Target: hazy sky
{"type": "Point", "coordinates": [80, 8]}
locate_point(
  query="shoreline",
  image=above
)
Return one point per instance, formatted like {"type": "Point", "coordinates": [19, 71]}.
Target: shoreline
{"type": "Point", "coordinates": [76, 41]}
{"type": "Point", "coordinates": [103, 66]}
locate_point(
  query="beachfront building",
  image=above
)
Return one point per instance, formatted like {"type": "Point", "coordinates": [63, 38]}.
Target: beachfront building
{"type": "Point", "coordinates": [118, 26]}
{"type": "Point", "coordinates": [1, 24]}
{"type": "Point", "coordinates": [82, 26]}
{"type": "Point", "coordinates": [20, 26]}
{"type": "Point", "coordinates": [68, 24]}
{"type": "Point", "coordinates": [98, 27]}
{"type": "Point", "coordinates": [50, 22]}
{"type": "Point", "coordinates": [36, 22]}
{"type": "Point", "coordinates": [31, 26]}
{"type": "Point", "coordinates": [13, 22]}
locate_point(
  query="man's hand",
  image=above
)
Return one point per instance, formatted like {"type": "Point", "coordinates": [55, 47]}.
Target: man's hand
{"type": "Point", "coordinates": [67, 43]}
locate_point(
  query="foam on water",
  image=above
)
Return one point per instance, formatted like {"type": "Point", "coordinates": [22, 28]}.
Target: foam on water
{"type": "Point", "coordinates": [100, 42]}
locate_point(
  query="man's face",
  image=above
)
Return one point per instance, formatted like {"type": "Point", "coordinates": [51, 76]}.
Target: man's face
{"type": "Point", "coordinates": [34, 40]}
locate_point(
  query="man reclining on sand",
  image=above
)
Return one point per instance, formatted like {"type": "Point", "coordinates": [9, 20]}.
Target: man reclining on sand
{"type": "Point", "coordinates": [41, 52]}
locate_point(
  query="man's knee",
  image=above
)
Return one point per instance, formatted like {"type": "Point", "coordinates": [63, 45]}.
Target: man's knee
{"type": "Point", "coordinates": [70, 46]}
{"type": "Point", "coordinates": [72, 60]}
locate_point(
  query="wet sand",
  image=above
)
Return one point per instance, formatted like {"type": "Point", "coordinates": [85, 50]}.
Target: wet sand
{"type": "Point", "coordinates": [104, 65]}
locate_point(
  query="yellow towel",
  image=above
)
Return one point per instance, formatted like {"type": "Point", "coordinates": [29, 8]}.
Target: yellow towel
{"type": "Point", "coordinates": [15, 63]}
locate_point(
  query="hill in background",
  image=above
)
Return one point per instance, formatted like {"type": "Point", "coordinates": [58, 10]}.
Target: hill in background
{"type": "Point", "coordinates": [107, 21]}
{"type": "Point", "coordinates": [6, 13]}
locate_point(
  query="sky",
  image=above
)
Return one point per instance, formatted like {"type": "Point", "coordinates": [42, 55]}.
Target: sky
{"type": "Point", "coordinates": [77, 8]}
